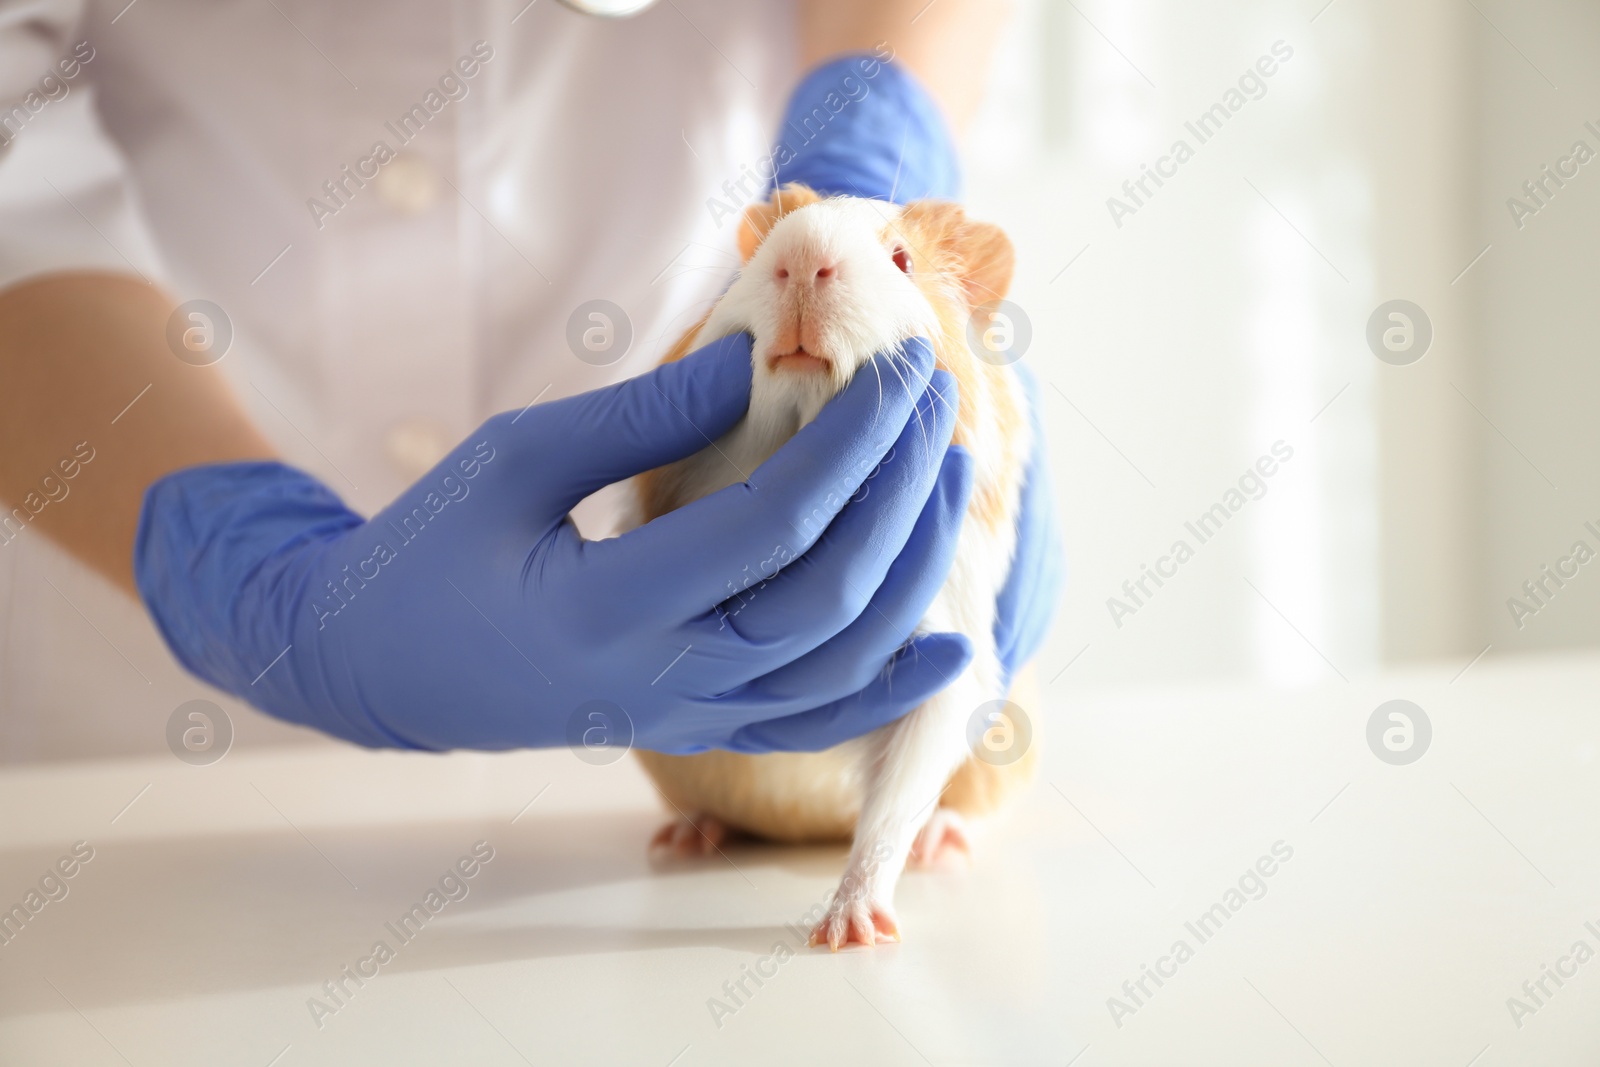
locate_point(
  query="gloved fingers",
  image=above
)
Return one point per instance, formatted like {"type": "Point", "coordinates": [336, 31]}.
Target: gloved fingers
{"type": "Point", "coordinates": [699, 555]}
{"type": "Point", "coordinates": [917, 673]}
{"type": "Point", "coordinates": [585, 442]}
{"type": "Point", "coordinates": [887, 617]}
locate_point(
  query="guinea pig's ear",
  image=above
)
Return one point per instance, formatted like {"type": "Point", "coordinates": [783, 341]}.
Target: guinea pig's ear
{"type": "Point", "coordinates": [978, 253]}
{"type": "Point", "coordinates": [990, 261]}
{"type": "Point", "coordinates": [760, 218]}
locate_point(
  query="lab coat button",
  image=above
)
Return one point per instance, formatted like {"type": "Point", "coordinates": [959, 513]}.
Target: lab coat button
{"type": "Point", "coordinates": [408, 184]}
{"type": "Point", "coordinates": [415, 445]}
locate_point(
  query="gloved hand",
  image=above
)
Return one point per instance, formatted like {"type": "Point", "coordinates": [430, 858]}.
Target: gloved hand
{"type": "Point", "coordinates": [471, 614]}
{"type": "Point", "coordinates": [890, 141]}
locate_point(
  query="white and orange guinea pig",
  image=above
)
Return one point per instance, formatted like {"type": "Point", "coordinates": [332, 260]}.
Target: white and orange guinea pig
{"type": "Point", "coordinates": [826, 284]}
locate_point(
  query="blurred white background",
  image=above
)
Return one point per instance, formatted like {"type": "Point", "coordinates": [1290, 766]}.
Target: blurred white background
{"type": "Point", "coordinates": [1230, 312]}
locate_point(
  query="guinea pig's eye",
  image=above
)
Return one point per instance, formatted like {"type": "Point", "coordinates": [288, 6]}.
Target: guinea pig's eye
{"type": "Point", "coordinates": [902, 259]}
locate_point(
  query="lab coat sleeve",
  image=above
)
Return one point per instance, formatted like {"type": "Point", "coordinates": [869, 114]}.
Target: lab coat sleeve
{"type": "Point", "coordinates": [66, 201]}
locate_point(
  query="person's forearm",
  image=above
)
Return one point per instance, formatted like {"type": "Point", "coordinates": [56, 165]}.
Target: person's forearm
{"type": "Point", "coordinates": [75, 351]}
{"type": "Point", "coordinates": [948, 44]}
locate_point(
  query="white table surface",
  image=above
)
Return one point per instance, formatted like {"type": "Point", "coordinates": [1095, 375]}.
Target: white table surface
{"type": "Point", "coordinates": [1415, 904]}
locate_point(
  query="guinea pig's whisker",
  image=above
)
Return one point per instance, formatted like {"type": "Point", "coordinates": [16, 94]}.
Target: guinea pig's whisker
{"type": "Point", "coordinates": [681, 271]}
{"type": "Point", "coordinates": [894, 187]}
{"type": "Point", "coordinates": [922, 382]}
{"type": "Point", "coordinates": [894, 225]}
{"type": "Point", "coordinates": [896, 357]}
{"type": "Point", "coordinates": [922, 428]}
{"type": "Point", "coordinates": [990, 291]}
{"type": "Point", "coordinates": [940, 398]}
{"type": "Point", "coordinates": [725, 253]}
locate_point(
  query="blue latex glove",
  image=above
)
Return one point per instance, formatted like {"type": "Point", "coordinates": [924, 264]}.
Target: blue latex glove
{"type": "Point", "coordinates": [887, 140]}
{"type": "Point", "coordinates": [1027, 601]}
{"type": "Point", "coordinates": [890, 142]}
{"type": "Point", "coordinates": [470, 613]}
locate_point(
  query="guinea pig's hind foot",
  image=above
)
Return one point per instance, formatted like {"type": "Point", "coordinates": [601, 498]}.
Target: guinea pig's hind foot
{"type": "Point", "coordinates": [944, 835]}
{"type": "Point", "coordinates": [689, 837]}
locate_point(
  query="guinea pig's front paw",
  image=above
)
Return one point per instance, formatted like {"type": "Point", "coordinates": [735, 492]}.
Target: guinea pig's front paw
{"type": "Point", "coordinates": [855, 918]}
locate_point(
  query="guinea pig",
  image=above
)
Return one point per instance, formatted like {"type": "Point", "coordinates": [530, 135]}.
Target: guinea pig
{"type": "Point", "coordinates": [826, 284]}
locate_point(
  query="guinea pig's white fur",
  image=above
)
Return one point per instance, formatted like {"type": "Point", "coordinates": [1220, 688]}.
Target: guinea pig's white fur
{"type": "Point", "coordinates": [867, 305]}
{"type": "Point", "coordinates": [843, 279]}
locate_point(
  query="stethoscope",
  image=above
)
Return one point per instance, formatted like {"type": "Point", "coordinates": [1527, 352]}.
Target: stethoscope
{"type": "Point", "coordinates": [611, 9]}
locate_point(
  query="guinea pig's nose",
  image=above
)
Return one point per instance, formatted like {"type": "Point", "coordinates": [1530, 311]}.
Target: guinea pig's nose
{"type": "Point", "coordinates": [808, 270]}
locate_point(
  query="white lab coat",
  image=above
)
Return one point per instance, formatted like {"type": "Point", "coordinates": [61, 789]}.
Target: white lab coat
{"type": "Point", "coordinates": [578, 165]}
